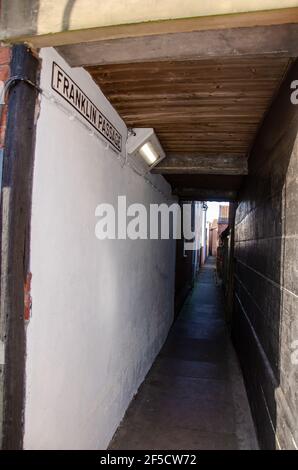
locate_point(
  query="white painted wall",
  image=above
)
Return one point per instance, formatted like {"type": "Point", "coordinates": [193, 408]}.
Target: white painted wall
{"type": "Point", "coordinates": [101, 309]}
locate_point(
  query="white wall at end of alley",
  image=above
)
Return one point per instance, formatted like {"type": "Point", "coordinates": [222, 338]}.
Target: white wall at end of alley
{"type": "Point", "coordinates": [101, 309]}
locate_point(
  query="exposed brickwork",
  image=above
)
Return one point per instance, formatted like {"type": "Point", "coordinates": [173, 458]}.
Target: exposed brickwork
{"type": "Point", "coordinates": [5, 56]}
{"type": "Point", "coordinates": [266, 274]}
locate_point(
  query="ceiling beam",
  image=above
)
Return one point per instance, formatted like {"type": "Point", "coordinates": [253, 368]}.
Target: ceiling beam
{"type": "Point", "coordinates": [51, 23]}
{"type": "Point", "coordinates": [203, 164]}
{"type": "Point", "coordinates": [197, 194]}
{"type": "Point", "coordinates": [281, 40]}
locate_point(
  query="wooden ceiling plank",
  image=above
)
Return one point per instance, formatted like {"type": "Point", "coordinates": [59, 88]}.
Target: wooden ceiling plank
{"type": "Point", "coordinates": [207, 107]}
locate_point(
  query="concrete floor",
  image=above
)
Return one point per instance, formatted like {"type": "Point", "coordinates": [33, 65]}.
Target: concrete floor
{"type": "Point", "coordinates": [193, 396]}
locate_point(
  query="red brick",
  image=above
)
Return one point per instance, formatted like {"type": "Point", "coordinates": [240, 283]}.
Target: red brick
{"type": "Point", "coordinates": [4, 72]}
{"type": "Point", "coordinates": [5, 54]}
{"type": "Point", "coordinates": [3, 126]}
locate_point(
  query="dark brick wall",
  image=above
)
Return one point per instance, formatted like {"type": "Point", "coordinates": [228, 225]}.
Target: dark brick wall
{"type": "Point", "coordinates": [265, 320]}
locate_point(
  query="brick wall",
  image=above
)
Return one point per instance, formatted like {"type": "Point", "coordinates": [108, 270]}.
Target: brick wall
{"type": "Point", "coordinates": [5, 55]}
{"type": "Point", "coordinates": [265, 322]}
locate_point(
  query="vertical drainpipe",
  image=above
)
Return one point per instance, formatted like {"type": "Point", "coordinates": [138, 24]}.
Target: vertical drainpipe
{"type": "Point", "coordinates": [2, 344]}
{"type": "Point", "coordinates": [18, 158]}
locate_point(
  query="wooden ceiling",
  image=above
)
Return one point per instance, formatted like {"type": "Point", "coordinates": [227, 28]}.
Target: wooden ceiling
{"type": "Point", "coordinates": [207, 107]}
{"type": "Point", "coordinates": [200, 109]}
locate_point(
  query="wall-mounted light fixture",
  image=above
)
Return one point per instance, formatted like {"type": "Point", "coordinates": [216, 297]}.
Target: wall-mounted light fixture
{"type": "Point", "coordinates": [144, 148]}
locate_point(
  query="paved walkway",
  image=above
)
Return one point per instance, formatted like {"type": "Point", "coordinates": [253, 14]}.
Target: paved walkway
{"type": "Point", "coordinates": [193, 396]}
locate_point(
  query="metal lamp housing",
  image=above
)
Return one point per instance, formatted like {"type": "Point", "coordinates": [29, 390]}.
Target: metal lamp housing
{"type": "Point", "coordinates": [136, 142]}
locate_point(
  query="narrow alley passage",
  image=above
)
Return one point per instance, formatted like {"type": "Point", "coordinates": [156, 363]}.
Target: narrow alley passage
{"type": "Point", "coordinates": [193, 396]}
{"type": "Point", "coordinates": [149, 221]}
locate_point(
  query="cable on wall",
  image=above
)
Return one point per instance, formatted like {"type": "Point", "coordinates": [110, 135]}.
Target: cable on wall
{"type": "Point", "coordinates": [13, 81]}
{"type": "Point", "coordinates": [10, 82]}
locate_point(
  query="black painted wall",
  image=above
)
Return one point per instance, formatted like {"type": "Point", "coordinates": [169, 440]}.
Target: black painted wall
{"type": "Point", "coordinates": [265, 319]}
